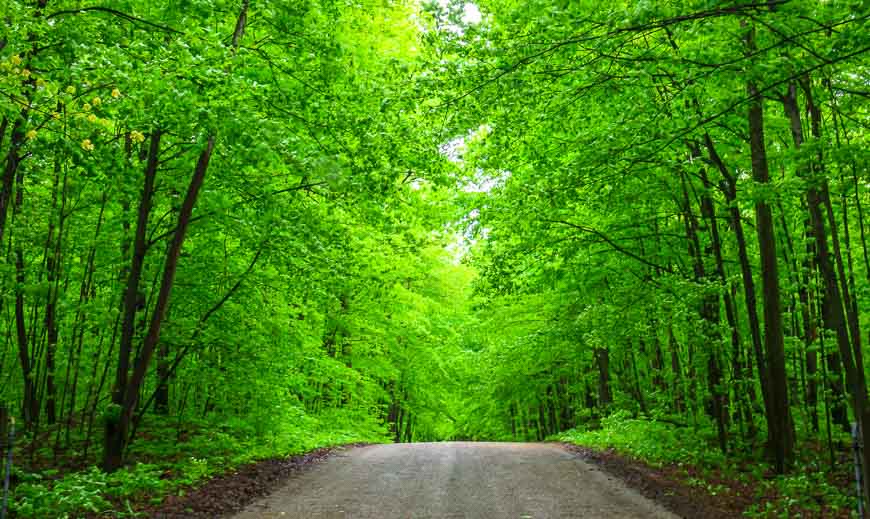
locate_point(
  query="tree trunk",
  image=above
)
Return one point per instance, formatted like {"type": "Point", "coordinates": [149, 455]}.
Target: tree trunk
{"type": "Point", "coordinates": [677, 371]}
{"type": "Point", "coordinates": [161, 393]}
{"type": "Point", "coordinates": [116, 431]}
{"type": "Point", "coordinates": [52, 266]}
{"type": "Point", "coordinates": [729, 189]}
{"type": "Point", "coordinates": [605, 397]}
{"type": "Point", "coordinates": [708, 211]}
{"type": "Point", "coordinates": [78, 335]}
{"type": "Point", "coordinates": [833, 313]}
{"type": "Point", "coordinates": [117, 436]}
{"type": "Point", "coordinates": [710, 317]}
{"type": "Point", "coordinates": [810, 332]}
{"type": "Point", "coordinates": [13, 159]}
{"type": "Point", "coordinates": [782, 441]}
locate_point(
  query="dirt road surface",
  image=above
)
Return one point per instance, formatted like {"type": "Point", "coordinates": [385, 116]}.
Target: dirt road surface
{"type": "Point", "coordinates": [456, 480]}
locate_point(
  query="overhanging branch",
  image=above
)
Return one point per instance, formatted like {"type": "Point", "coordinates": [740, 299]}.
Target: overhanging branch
{"type": "Point", "coordinates": [114, 12]}
{"type": "Point", "coordinates": [617, 247]}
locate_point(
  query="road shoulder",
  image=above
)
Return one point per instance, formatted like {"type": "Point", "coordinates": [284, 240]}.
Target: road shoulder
{"type": "Point", "coordinates": [230, 493]}
{"type": "Point", "coordinates": [658, 485]}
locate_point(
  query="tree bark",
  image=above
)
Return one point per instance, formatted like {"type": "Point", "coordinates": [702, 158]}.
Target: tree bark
{"type": "Point", "coordinates": [677, 371]}
{"type": "Point", "coordinates": [710, 317]}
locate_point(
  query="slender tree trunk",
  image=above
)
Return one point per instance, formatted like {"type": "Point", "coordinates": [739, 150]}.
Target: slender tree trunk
{"type": "Point", "coordinates": [677, 371]}
{"type": "Point", "coordinates": [116, 432]}
{"type": "Point", "coordinates": [708, 211]}
{"type": "Point", "coordinates": [658, 359]}
{"type": "Point", "coordinates": [30, 404]}
{"type": "Point", "coordinates": [31, 401]}
{"type": "Point", "coordinates": [810, 332]}
{"type": "Point", "coordinates": [52, 267]}
{"type": "Point", "coordinates": [847, 295]}
{"type": "Point", "coordinates": [161, 396]}
{"type": "Point", "coordinates": [78, 335]}
{"type": "Point", "coordinates": [833, 313]}
{"type": "Point", "coordinates": [117, 436]}
{"type": "Point", "coordinates": [605, 397]}
{"type": "Point", "coordinates": [10, 170]}
{"type": "Point", "coordinates": [782, 442]}
{"type": "Point", "coordinates": [710, 317]}
{"type": "Point", "coordinates": [638, 392]}
{"type": "Point", "coordinates": [729, 189]}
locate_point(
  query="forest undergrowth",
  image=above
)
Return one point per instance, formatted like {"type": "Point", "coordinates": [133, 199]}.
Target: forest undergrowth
{"type": "Point", "coordinates": [169, 458]}
{"type": "Point", "coordinates": [736, 484]}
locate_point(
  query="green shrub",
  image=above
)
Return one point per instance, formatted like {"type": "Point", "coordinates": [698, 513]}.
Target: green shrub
{"type": "Point", "coordinates": [654, 442]}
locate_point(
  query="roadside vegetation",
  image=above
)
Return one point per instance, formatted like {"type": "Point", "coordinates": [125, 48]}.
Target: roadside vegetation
{"type": "Point", "coordinates": [683, 456]}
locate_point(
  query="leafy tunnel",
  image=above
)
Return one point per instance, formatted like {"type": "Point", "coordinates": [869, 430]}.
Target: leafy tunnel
{"type": "Point", "coordinates": [232, 230]}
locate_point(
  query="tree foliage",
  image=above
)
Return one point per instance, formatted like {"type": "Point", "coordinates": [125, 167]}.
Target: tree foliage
{"type": "Point", "coordinates": [445, 220]}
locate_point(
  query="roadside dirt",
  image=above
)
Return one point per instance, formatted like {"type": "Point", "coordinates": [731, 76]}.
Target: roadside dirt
{"type": "Point", "coordinates": [666, 485]}
{"type": "Point", "coordinates": [229, 493]}
{"type": "Point", "coordinates": [655, 484]}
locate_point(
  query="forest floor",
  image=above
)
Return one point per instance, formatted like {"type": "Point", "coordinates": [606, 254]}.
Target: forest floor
{"type": "Point", "coordinates": [691, 491]}
{"type": "Point", "coordinates": [174, 469]}
{"type": "Point", "coordinates": [665, 486]}
{"type": "Point", "coordinates": [207, 473]}
{"type": "Point", "coordinates": [460, 479]}
{"type": "Point", "coordinates": [684, 469]}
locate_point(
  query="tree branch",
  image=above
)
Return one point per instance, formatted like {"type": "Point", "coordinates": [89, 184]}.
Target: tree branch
{"type": "Point", "coordinates": [199, 327]}
{"type": "Point", "coordinates": [612, 243]}
{"type": "Point", "coordinates": [119, 14]}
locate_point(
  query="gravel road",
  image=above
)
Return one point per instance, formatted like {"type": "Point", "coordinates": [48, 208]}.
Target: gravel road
{"type": "Point", "coordinates": [455, 480]}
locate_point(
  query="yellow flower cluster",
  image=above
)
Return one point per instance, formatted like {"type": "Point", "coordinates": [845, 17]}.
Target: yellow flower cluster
{"type": "Point", "coordinates": [137, 136]}
{"type": "Point", "coordinates": [87, 145]}
{"type": "Point", "coordinates": [12, 65]}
